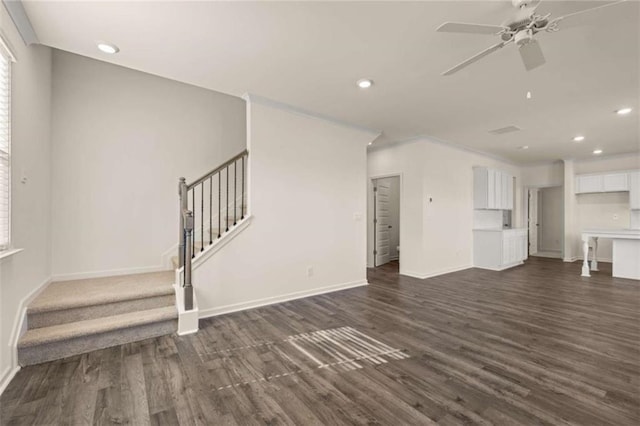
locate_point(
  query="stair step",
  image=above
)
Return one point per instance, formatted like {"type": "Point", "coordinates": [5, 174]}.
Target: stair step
{"type": "Point", "coordinates": [63, 340]}
{"type": "Point", "coordinates": [68, 301]}
{"type": "Point", "coordinates": [93, 291]}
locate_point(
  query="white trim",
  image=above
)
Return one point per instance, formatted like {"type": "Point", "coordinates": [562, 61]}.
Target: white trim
{"type": "Point", "coordinates": [20, 19]}
{"type": "Point", "coordinates": [251, 98]}
{"type": "Point", "coordinates": [205, 313]}
{"type": "Point", "coordinates": [434, 274]}
{"type": "Point", "coordinates": [187, 320]}
{"type": "Point", "coordinates": [370, 256]}
{"type": "Point", "coordinates": [6, 377]}
{"type": "Point", "coordinates": [168, 255]}
{"type": "Point", "coordinates": [108, 273]}
{"type": "Point", "coordinates": [453, 145]}
{"type": "Point", "coordinates": [570, 259]}
{"type": "Point", "coordinates": [9, 252]}
{"type": "Point", "coordinates": [6, 47]}
{"type": "Point", "coordinates": [20, 325]}
{"type": "Point", "coordinates": [504, 267]}
{"type": "Point", "coordinates": [210, 250]}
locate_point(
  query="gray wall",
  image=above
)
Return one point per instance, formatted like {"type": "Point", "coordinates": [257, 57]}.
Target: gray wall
{"type": "Point", "coordinates": [121, 139]}
{"type": "Point", "coordinates": [26, 271]}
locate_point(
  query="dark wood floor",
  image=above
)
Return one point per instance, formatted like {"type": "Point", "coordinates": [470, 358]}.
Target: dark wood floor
{"type": "Point", "coordinates": [536, 344]}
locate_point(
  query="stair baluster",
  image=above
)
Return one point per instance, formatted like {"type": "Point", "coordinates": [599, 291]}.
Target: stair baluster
{"type": "Point", "coordinates": [188, 218]}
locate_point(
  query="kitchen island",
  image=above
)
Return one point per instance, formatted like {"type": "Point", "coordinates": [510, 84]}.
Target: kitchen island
{"type": "Point", "coordinates": [626, 251]}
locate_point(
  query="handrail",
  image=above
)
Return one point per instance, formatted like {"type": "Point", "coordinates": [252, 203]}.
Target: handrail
{"type": "Point", "coordinates": [217, 169]}
{"type": "Point", "coordinates": [192, 221]}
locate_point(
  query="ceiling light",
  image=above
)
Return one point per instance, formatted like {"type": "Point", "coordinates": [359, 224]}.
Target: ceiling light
{"type": "Point", "coordinates": [597, 151]}
{"type": "Point", "coordinates": [364, 83]}
{"type": "Point", "coordinates": [370, 143]}
{"type": "Point", "coordinates": [578, 139]}
{"type": "Point", "coordinates": [623, 111]}
{"type": "Point", "coordinates": [528, 95]}
{"type": "Point", "coordinates": [523, 147]}
{"type": "Point", "coordinates": [108, 48]}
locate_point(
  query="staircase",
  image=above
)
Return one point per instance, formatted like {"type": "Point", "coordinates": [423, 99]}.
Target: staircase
{"type": "Point", "coordinates": [74, 317]}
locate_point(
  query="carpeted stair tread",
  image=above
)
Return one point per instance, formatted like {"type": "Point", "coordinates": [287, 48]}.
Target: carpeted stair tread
{"type": "Point", "coordinates": [96, 291]}
{"type": "Point", "coordinates": [66, 331]}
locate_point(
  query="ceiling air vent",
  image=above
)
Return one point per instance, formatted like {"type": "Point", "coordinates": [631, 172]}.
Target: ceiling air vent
{"type": "Point", "coordinates": [503, 130]}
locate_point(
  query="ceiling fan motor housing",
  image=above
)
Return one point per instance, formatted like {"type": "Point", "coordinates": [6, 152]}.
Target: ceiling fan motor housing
{"type": "Point", "coordinates": [523, 37]}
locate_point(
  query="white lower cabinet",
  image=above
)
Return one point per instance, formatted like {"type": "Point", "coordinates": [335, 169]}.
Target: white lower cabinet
{"type": "Point", "coordinates": [499, 249]}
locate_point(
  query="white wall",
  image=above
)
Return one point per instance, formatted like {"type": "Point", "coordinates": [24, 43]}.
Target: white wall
{"type": "Point", "coordinates": [550, 218]}
{"type": "Point", "coordinates": [543, 175]}
{"type": "Point", "coordinates": [24, 272]}
{"type": "Point", "coordinates": [308, 201]}
{"type": "Point", "coordinates": [121, 139]}
{"type": "Point", "coordinates": [436, 235]}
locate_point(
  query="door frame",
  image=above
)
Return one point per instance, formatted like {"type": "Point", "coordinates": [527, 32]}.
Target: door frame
{"type": "Point", "coordinates": [370, 235]}
{"type": "Point", "coordinates": [526, 190]}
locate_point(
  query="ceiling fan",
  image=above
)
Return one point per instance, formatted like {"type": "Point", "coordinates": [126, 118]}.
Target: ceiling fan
{"type": "Point", "coordinates": [519, 29]}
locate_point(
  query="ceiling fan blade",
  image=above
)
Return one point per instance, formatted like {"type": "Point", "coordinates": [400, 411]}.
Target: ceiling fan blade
{"type": "Point", "coordinates": [554, 22]}
{"type": "Point", "coordinates": [461, 27]}
{"type": "Point", "coordinates": [531, 54]}
{"type": "Point", "coordinates": [476, 57]}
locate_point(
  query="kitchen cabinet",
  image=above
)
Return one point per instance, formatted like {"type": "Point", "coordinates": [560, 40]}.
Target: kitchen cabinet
{"type": "Point", "coordinates": [602, 182]}
{"type": "Point", "coordinates": [492, 189]}
{"type": "Point", "coordinates": [499, 249]}
{"type": "Point", "coordinates": [634, 190]}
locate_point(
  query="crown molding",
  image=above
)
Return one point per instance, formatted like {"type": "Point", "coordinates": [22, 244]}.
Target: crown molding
{"type": "Point", "coordinates": [15, 8]}
{"type": "Point", "coordinates": [261, 100]}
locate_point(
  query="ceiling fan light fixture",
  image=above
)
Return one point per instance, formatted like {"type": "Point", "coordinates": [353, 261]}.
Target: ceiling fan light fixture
{"type": "Point", "coordinates": [597, 151]}
{"type": "Point", "coordinates": [624, 111]}
{"type": "Point", "coordinates": [364, 83]}
{"type": "Point", "coordinates": [578, 138]}
{"type": "Point", "coordinates": [108, 48]}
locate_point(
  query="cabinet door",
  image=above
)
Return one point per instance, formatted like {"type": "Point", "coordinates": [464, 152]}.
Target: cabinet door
{"type": "Point", "coordinates": [492, 176]}
{"type": "Point", "coordinates": [634, 190]}
{"type": "Point", "coordinates": [616, 182]}
{"type": "Point", "coordinates": [506, 249]}
{"type": "Point", "coordinates": [593, 183]}
{"type": "Point", "coordinates": [509, 190]}
{"type": "Point", "coordinates": [497, 188]}
{"type": "Point", "coordinates": [505, 191]}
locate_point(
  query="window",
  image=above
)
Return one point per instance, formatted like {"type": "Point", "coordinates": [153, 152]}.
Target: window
{"type": "Point", "coordinates": [5, 148]}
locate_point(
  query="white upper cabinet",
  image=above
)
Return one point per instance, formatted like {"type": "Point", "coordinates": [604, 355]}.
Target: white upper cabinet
{"type": "Point", "coordinates": [603, 182]}
{"type": "Point", "coordinates": [492, 189]}
{"type": "Point", "coordinates": [634, 190]}
{"type": "Point", "coordinates": [616, 182]}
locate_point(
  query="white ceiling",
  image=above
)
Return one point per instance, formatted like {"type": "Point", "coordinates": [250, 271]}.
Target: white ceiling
{"type": "Point", "coordinates": [310, 54]}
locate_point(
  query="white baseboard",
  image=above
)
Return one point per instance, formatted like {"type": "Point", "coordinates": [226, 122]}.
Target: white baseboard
{"type": "Point", "coordinates": [108, 273]}
{"type": "Point", "coordinates": [211, 312]}
{"type": "Point", "coordinates": [18, 329]}
{"type": "Point", "coordinates": [581, 258]}
{"type": "Point", "coordinates": [6, 377]}
{"type": "Point", "coordinates": [434, 274]}
{"type": "Point", "coordinates": [505, 267]}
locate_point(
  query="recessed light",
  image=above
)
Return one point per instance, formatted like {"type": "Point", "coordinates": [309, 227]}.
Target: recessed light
{"type": "Point", "coordinates": [370, 143]}
{"type": "Point", "coordinates": [364, 83]}
{"type": "Point", "coordinates": [523, 147]}
{"type": "Point", "coordinates": [108, 48]}
{"type": "Point", "coordinates": [623, 111]}
{"type": "Point", "coordinates": [578, 138]}
{"type": "Point", "coordinates": [528, 95]}
{"type": "Point", "coordinates": [597, 151]}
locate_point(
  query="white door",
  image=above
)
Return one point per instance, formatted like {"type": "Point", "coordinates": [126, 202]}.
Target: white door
{"type": "Point", "coordinates": [533, 221]}
{"type": "Point", "coordinates": [382, 222]}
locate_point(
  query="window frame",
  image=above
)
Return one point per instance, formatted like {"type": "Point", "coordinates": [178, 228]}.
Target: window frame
{"type": "Point", "coordinates": [7, 53]}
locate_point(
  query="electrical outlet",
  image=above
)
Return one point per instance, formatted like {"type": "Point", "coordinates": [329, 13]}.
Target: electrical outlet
{"type": "Point", "coordinates": [309, 271]}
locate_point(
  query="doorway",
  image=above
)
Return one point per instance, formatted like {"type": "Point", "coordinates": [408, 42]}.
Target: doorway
{"type": "Point", "coordinates": [386, 220]}
{"type": "Point", "coordinates": [545, 221]}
